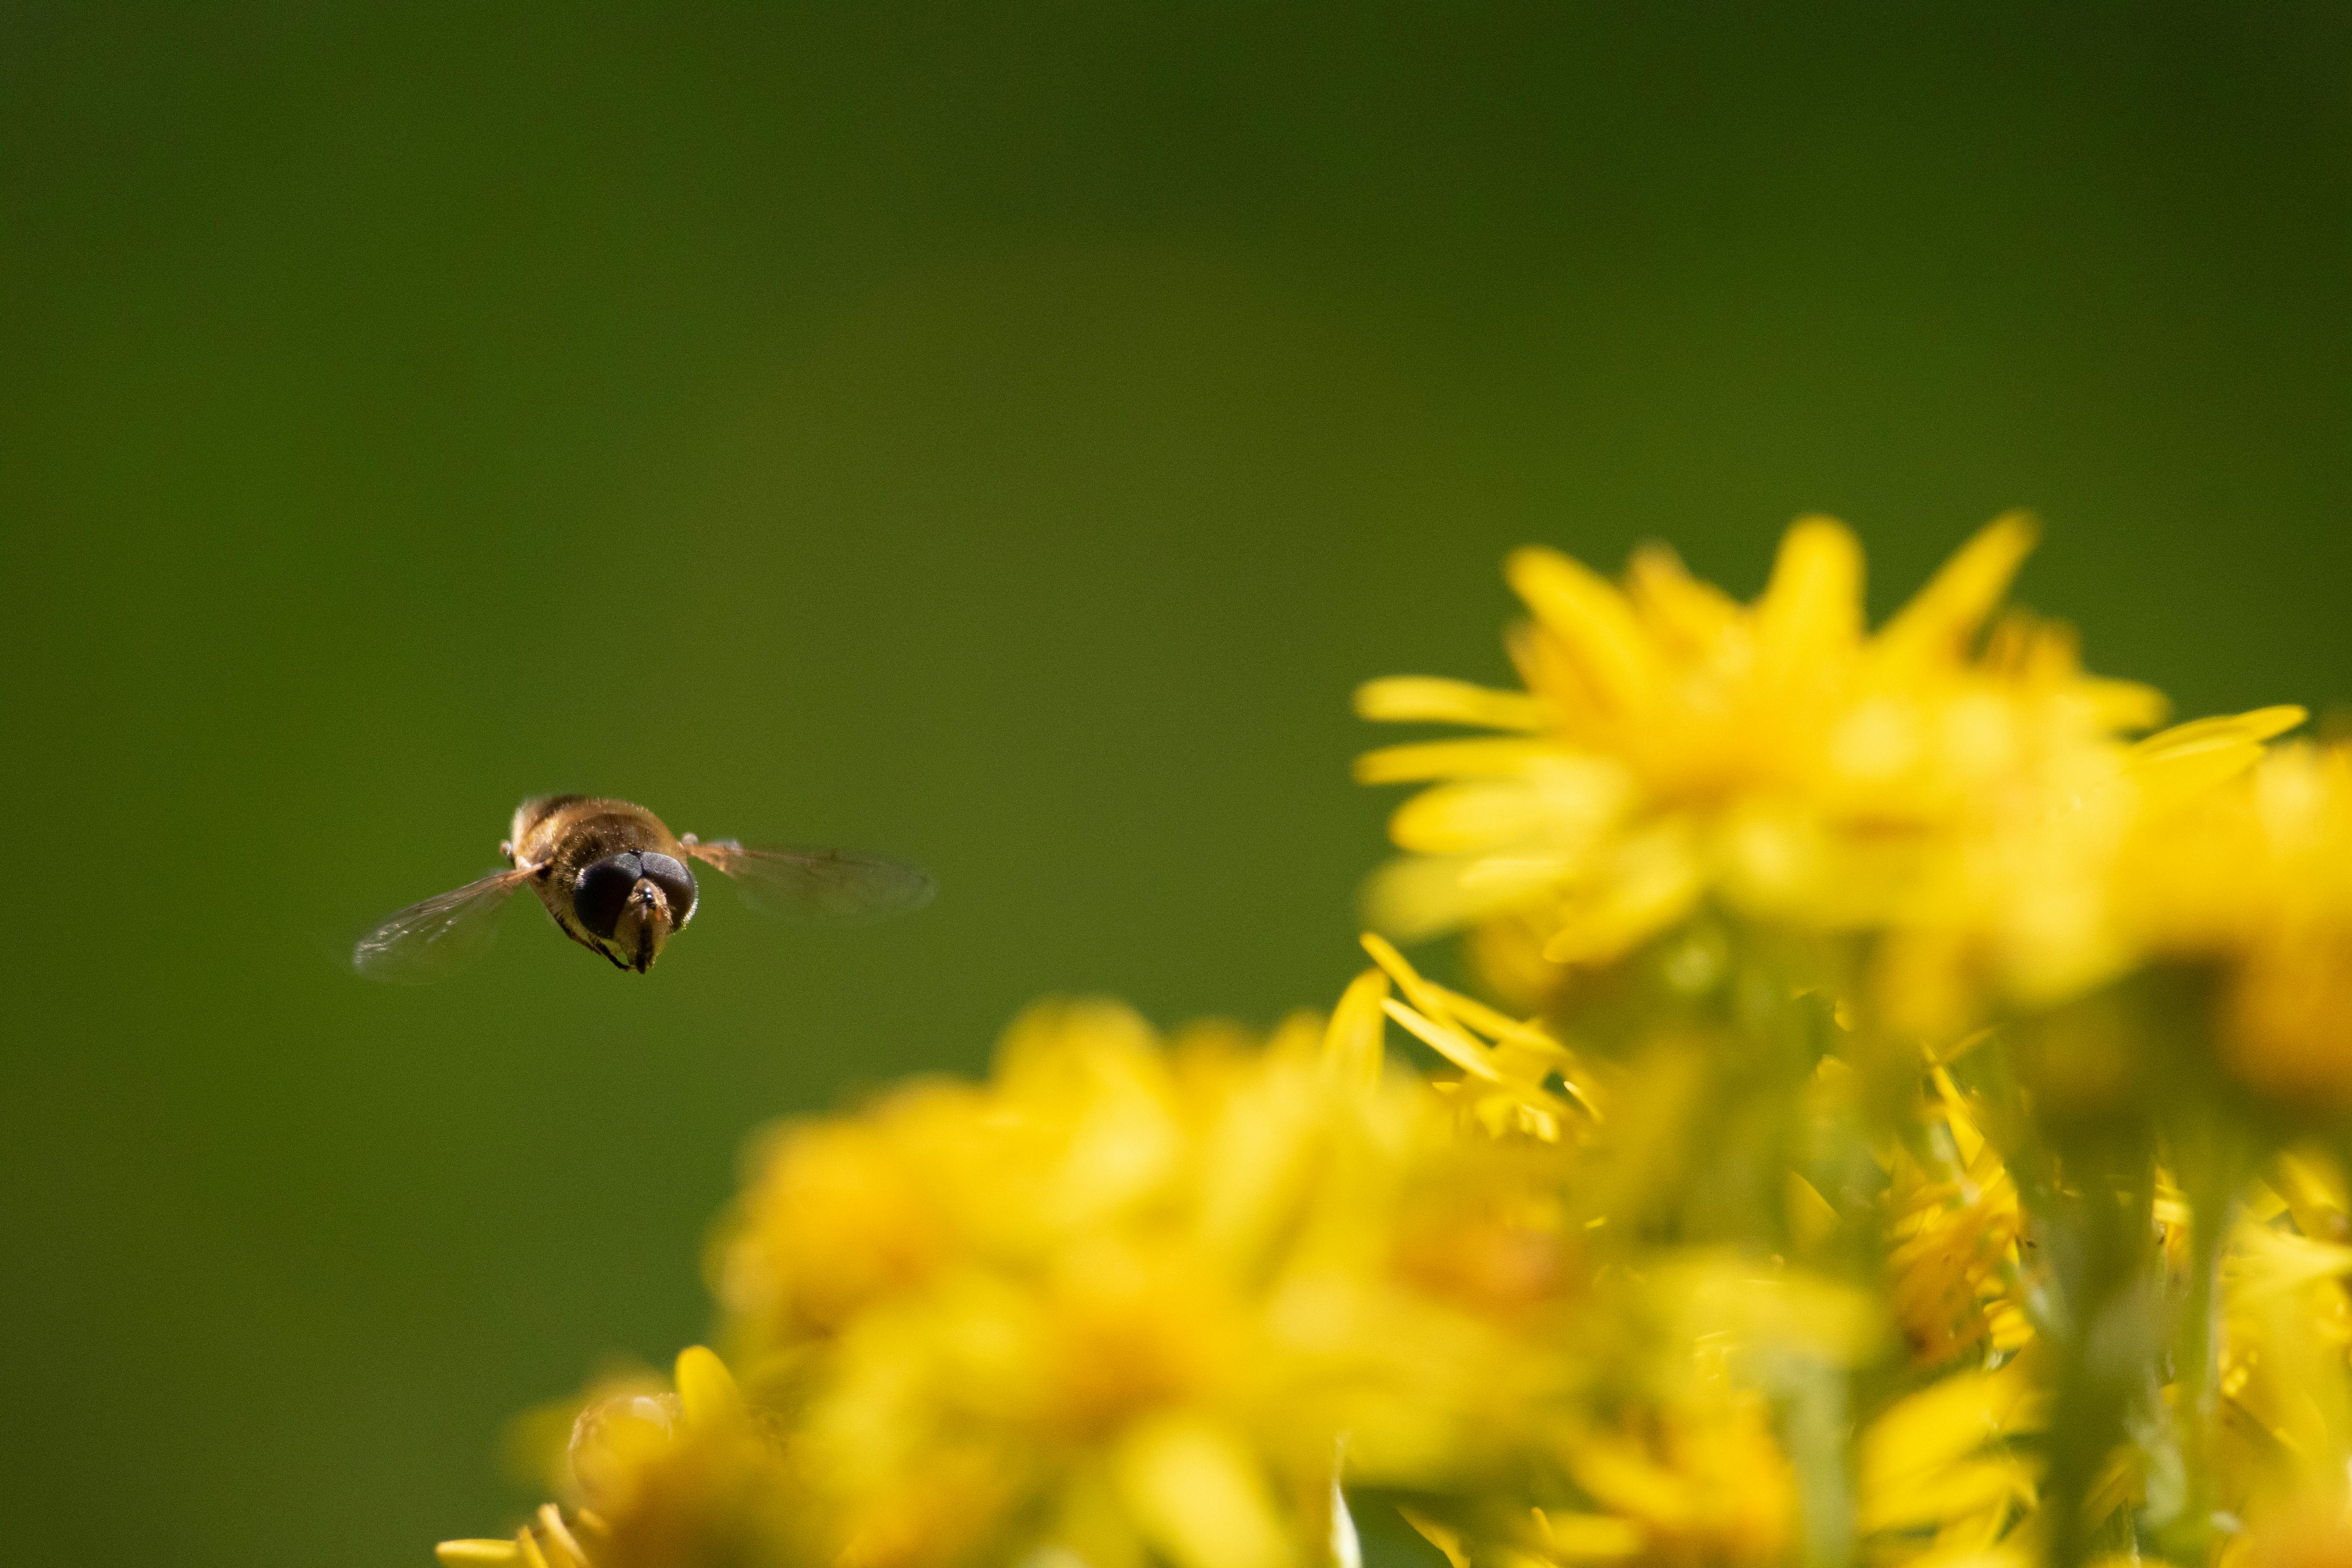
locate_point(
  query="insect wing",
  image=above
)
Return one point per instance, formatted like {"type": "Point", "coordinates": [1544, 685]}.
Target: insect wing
{"type": "Point", "coordinates": [832, 887]}
{"type": "Point", "coordinates": [439, 937]}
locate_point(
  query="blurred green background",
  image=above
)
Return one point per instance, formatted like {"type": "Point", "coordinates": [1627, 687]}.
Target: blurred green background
{"type": "Point", "coordinates": [1001, 437]}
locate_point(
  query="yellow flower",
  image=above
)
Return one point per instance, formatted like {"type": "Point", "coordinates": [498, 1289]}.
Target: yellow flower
{"type": "Point", "coordinates": [1953, 1261]}
{"type": "Point", "coordinates": [2054, 892]}
{"type": "Point", "coordinates": [2287, 1326]}
{"type": "Point", "coordinates": [1678, 1446]}
{"type": "Point", "coordinates": [2315, 1534]}
{"type": "Point", "coordinates": [1672, 745]}
{"type": "Point", "coordinates": [656, 1478]}
{"type": "Point", "coordinates": [1127, 1298]}
{"type": "Point", "coordinates": [1508, 1065]}
{"type": "Point", "coordinates": [2255, 880]}
{"type": "Point", "coordinates": [1703, 1481]}
{"type": "Point", "coordinates": [1940, 1481]}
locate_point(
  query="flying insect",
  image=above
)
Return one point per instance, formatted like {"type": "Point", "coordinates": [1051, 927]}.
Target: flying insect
{"type": "Point", "coordinates": [619, 882]}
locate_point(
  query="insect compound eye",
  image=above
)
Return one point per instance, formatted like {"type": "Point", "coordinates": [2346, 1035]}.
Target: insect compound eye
{"type": "Point", "coordinates": [603, 890]}
{"type": "Point", "coordinates": [674, 880]}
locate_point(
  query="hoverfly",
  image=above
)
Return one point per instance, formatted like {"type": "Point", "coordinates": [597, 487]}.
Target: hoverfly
{"type": "Point", "coordinates": [615, 881]}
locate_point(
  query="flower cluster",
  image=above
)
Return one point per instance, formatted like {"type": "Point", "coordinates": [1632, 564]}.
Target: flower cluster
{"type": "Point", "coordinates": [1673, 747]}
{"type": "Point", "coordinates": [1126, 1301]}
{"type": "Point", "coordinates": [1898, 1114]}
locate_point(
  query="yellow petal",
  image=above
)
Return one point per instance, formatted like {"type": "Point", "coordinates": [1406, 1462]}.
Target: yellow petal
{"type": "Point", "coordinates": [1696, 615]}
{"type": "Point", "coordinates": [1435, 1026]}
{"type": "Point", "coordinates": [1967, 1140]}
{"type": "Point", "coordinates": [1593, 617]}
{"type": "Point", "coordinates": [707, 1390]}
{"type": "Point", "coordinates": [1811, 613]}
{"type": "Point", "coordinates": [1352, 1045]}
{"type": "Point", "coordinates": [1446, 1538]}
{"type": "Point", "coordinates": [1651, 882]}
{"type": "Point", "coordinates": [1421, 760]}
{"type": "Point", "coordinates": [1961, 1489]}
{"type": "Point", "coordinates": [1523, 1052]}
{"type": "Point", "coordinates": [1428, 896]}
{"type": "Point", "coordinates": [1501, 1026]}
{"type": "Point", "coordinates": [2269, 1262]}
{"type": "Point", "coordinates": [470, 1553]}
{"type": "Point", "coordinates": [1942, 619]}
{"type": "Point", "coordinates": [2313, 1192]}
{"type": "Point", "coordinates": [1453, 1045]}
{"type": "Point", "coordinates": [1466, 818]}
{"type": "Point", "coordinates": [1620, 1476]}
{"type": "Point", "coordinates": [1434, 699]}
{"type": "Point", "coordinates": [1199, 1495]}
{"type": "Point", "coordinates": [1943, 1423]}
{"type": "Point", "coordinates": [2222, 730]}
{"type": "Point", "coordinates": [1728, 1298]}
{"type": "Point", "coordinates": [2007, 1327]}
{"type": "Point", "coordinates": [561, 1544]}
{"type": "Point", "coordinates": [2179, 764]}
{"type": "Point", "coordinates": [1430, 997]}
{"type": "Point", "coordinates": [2123, 704]}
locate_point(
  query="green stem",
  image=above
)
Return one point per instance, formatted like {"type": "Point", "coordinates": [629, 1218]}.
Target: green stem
{"type": "Point", "coordinates": [2212, 1161]}
{"type": "Point", "coordinates": [2095, 1235]}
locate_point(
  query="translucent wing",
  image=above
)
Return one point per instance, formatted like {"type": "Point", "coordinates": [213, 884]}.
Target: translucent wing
{"type": "Point", "coordinates": [836, 887]}
{"type": "Point", "coordinates": [439, 937]}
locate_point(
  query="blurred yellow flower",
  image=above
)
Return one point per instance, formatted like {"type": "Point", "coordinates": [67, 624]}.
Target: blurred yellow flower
{"type": "Point", "coordinates": [1127, 1298]}
{"type": "Point", "coordinates": [1953, 1261]}
{"type": "Point", "coordinates": [1941, 1479]}
{"type": "Point", "coordinates": [2315, 1534]}
{"type": "Point", "coordinates": [1683, 1442]}
{"type": "Point", "coordinates": [1704, 1482]}
{"type": "Point", "coordinates": [2255, 880]}
{"type": "Point", "coordinates": [657, 1478]}
{"type": "Point", "coordinates": [1672, 745]}
{"type": "Point", "coordinates": [2287, 1328]}
{"type": "Point", "coordinates": [2065, 883]}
